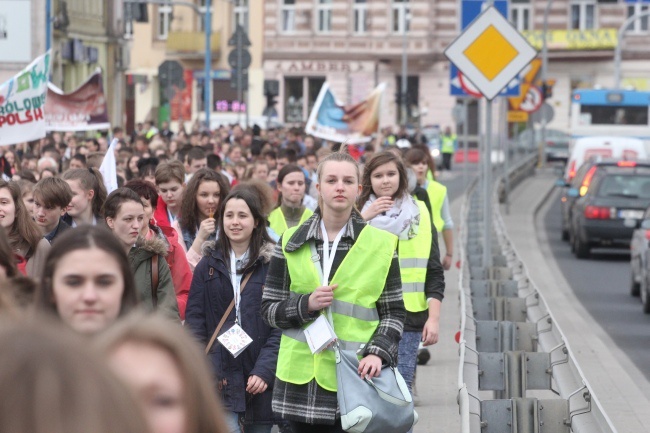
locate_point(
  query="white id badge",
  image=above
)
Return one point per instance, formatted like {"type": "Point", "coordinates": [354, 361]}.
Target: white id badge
{"type": "Point", "coordinates": [319, 334]}
{"type": "Point", "coordinates": [235, 340]}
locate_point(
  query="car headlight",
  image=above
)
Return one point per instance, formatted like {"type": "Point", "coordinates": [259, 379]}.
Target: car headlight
{"type": "Point", "coordinates": [435, 153]}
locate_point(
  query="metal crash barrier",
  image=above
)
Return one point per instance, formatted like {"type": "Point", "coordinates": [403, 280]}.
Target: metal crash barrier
{"type": "Point", "coordinates": [516, 373]}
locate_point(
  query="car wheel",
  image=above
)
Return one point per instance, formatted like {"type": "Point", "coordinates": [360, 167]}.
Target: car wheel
{"type": "Point", "coordinates": [572, 243]}
{"type": "Point", "coordinates": [565, 235]}
{"type": "Point", "coordinates": [634, 286]}
{"type": "Point", "coordinates": [582, 249]}
{"type": "Point", "coordinates": [645, 299]}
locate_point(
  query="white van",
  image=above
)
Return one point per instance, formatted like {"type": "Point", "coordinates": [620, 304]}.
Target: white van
{"type": "Point", "coordinates": [585, 148]}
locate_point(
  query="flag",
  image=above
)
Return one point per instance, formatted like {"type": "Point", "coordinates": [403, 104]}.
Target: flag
{"type": "Point", "coordinates": [83, 109]}
{"type": "Point", "coordinates": [22, 101]}
{"type": "Point", "coordinates": [331, 120]}
{"type": "Point", "coordinates": [108, 169]}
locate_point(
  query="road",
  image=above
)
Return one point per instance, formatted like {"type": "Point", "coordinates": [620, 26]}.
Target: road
{"type": "Point", "coordinates": [602, 284]}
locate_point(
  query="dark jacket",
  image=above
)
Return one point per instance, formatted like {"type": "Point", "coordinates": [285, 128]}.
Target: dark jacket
{"type": "Point", "coordinates": [58, 230]}
{"type": "Point", "coordinates": [140, 258]}
{"type": "Point", "coordinates": [211, 293]}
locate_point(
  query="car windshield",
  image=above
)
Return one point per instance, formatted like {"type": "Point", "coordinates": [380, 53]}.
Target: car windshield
{"type": "Point", "coordinates": [631, 186]}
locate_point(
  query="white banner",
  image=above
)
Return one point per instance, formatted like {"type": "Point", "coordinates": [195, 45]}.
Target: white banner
{"type": "Point", "coordinates": [22, 99]}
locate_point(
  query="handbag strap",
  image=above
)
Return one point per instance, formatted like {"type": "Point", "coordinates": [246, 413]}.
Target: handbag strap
{"type": "Point", "coordinates": [226, 314]}
{"type": "Point", "coordinates": [154, 280]}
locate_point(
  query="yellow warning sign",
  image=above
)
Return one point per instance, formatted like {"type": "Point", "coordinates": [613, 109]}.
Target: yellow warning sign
{"type": "Point", "coordinates": [517, 116]}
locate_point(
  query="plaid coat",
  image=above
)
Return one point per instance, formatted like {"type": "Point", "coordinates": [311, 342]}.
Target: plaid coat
{"type": "Point", "coordinates": [309, 403]}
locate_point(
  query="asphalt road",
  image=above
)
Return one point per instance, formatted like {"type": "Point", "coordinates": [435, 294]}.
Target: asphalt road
{"type": "Point", "coordinates": [602, 284]}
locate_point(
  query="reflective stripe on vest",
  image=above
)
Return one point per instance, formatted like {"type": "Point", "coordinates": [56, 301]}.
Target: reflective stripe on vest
{"type": "Point", "coordinates": [448, 143]}
{"type": "Point", "coordinates": [361, 278]}
{"type": "Point", "coordinates": [278, 223]}
{"type": "Point", "coordinates": [413, 260]}
{"type": "Point", "coordinates": [437, 193]}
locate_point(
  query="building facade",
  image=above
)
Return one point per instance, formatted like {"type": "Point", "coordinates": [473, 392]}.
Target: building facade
{"type": "Point", "coordinates": [167, 64]}
{"type": "Point", "coordinates": [356, 44]}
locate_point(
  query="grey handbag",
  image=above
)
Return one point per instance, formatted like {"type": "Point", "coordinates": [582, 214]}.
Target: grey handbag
{"type": "Point", "coordinates": [377, 405]}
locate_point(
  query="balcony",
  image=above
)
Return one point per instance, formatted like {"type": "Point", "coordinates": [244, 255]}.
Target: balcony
{"type": "Point", "coordinates": [191, 44]}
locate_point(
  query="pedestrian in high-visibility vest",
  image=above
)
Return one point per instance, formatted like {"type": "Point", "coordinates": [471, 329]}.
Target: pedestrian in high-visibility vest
{"type": "Point", "coordinates": [440, 212]}
{"type": "Point", "coordinates": [361, 284]}
{"type": "Point", "coordinates": [386, 204]}
{"type": "Point", "coordinates": [448, 147]}
{"type": "Point", "coordinates": [290, 211]}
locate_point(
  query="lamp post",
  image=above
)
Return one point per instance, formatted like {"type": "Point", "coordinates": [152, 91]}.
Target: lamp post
{"type": "Point", "coordinates": [544, 72]}
{"type": "Point", "coordinates": [619, 46]}
{"type": "Point", "coordinates": [207, 80]}
{"type": "Point", "coordinates": [404, 90]}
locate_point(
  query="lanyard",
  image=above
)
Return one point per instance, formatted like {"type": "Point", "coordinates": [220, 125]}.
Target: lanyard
{"type": "Point", "coordinates": [236, 284]}
{"type": "Point", "coordinates": [327, 259]}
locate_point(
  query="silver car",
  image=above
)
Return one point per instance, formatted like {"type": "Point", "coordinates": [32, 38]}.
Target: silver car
{"type": "Point", "coordinates": [639, 262]}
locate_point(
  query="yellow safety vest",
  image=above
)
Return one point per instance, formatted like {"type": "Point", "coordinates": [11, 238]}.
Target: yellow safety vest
{"type": "Point", "coordinates": [413, 259]}
{"type": "Point", "coordinates": [361, 277]}
{"type": "Point", "coordinates": [278, 223]}
{"type": "Point", "coordinates": [437, 193]}
{"type": "Point", "coordinates": [448, 143]}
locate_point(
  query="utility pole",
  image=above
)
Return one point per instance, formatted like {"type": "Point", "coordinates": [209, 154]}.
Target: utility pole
{"type": "Point", "coordinates": [207, 80]}
{"type": "Point", "coordinates": [544, 77]}
{"type": "Point", "coordinates": [404, 90]}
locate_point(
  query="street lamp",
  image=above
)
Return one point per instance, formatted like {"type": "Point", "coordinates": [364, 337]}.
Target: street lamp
{"type": "Point", "coordinates": [619, 46]}
{"type": "Point", "coordinates": [544, 72]}
{"type": "Point", "coordinates": [404, 102]}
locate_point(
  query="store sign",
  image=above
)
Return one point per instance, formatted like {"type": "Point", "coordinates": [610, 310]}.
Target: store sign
{"type": "Point", "coordinates": [595, 39]}
{"type": "Point", "coordinates": [230, 106]}
{"type": "Point", "coordinates": [305, 66]}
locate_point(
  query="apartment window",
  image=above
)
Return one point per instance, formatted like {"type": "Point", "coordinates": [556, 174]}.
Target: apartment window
{"type": "Point", "coordinates": [240, 13]}
{"type": "Point", "coordinates": [360, 16]}
{"type": "Point", "coordinates": [324, 16]}
{"type": "Point", "coordinates": [401, 16]}
{"type": "Point", "coordinates": [583, 16]}
{"type": "Point", "coordinates": [164, 19]}
{"type": "Point", "coordinates": [288, 12]}
{"type": "Point", "coordinates": [520, 16]}
{"type": "Point", "coordinates": [128, 29]}
{"type": "Point", "coordinates": [640, 25]}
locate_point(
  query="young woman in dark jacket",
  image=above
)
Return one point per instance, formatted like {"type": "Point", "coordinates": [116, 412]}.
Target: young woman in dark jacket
{"type": "Point", "coordinates": [243, 381]}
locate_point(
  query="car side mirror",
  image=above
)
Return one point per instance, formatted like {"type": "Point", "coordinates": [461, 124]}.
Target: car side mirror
{"type": "Point", "coordinates": [645, 224]}
{"type": "Point", "coordinates": [561, 183]}
{"type": "Point", "coordinates": [573, 193]}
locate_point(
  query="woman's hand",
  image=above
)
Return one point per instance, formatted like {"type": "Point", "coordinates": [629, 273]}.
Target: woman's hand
{"type": "Point", "coordinates": [321, 298]}
{"type": "Point", "coordinates": [370, 367]}
{"type": "Point", "coordinates": [381, 205]}
{"type": "Point", "coordinates": [430, 332]}
{"type": "Point", "coordinates": [255, 385]}
{"type": "Point", "coordinates": [446, 262]}
{"type": "Point", "coordinates": [207, 227]}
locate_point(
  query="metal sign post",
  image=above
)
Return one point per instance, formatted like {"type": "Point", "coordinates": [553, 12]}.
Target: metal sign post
{"type": "Point", "coordinates": [490, 53]}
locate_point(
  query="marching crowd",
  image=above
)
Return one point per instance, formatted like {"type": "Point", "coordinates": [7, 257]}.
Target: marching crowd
{"type": "Point", "coordinates": [193, 282]}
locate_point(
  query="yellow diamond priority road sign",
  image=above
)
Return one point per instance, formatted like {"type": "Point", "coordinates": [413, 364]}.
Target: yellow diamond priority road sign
{"type": "Point", "coordinates": [490, 52]}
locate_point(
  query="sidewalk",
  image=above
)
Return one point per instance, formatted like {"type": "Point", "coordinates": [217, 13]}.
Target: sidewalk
{"type": "Point", "coordinates": [437, 382]}
{"type": "Point", "coordinates": [620, 387]}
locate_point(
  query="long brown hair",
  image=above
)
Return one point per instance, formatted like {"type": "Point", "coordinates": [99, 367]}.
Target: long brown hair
{"type": "Point", "coordinates": [58, 385]}
{"type": "Point", "coordinates": [189, 219]}
{"type": "Point", "coordinates": [375, 162]}
{"type": "Point", "coordinates": [85, 237]}
{"type": "Point", "coordinates": [23, 232]}
{"type": "Point", "coordinates": [90, 179]}
{"type": "Point", "coordinates": [7, 259]}
{"type": "Point", "coordinates": [259, 236]}
{"type": "Point", "coordinates": [204, 413]}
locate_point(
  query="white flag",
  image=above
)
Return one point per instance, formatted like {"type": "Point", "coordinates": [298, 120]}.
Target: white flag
{"type": "Point", "coordinates": [22, 99]}
{"type": "Point", "coordinates": [108, 169]}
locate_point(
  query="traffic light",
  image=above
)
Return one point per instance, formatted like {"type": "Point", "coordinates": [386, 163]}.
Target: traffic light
{"type": "Point", "coordinates": [547, 90]}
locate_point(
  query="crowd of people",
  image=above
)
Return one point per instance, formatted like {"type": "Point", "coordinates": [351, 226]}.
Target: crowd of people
{"type": "Point", "coordinates": [210, 234]}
